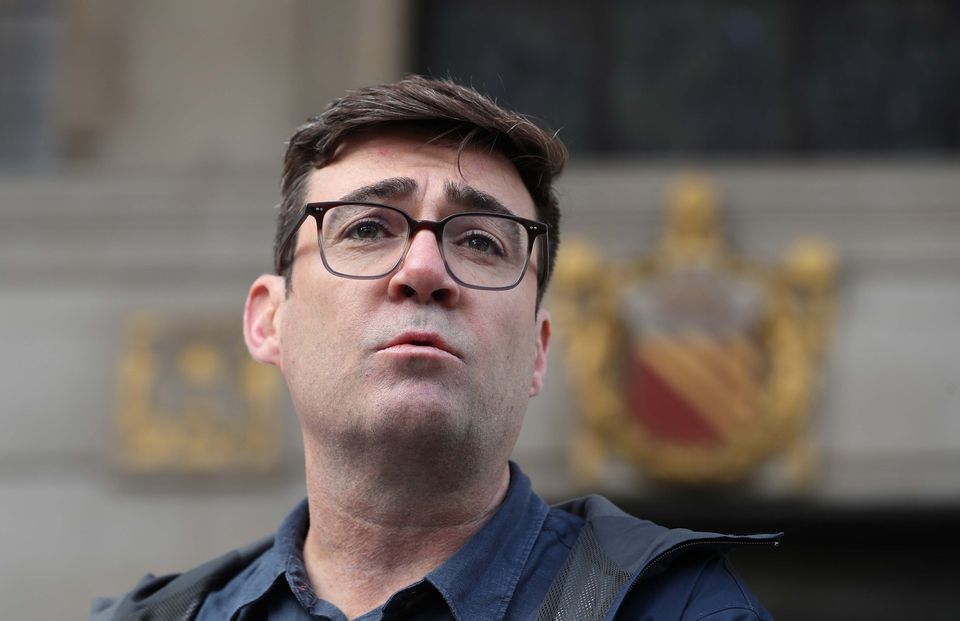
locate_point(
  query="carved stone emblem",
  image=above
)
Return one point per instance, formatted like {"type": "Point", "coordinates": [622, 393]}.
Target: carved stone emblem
{"type": "Point", "coordinates": [191, 400]}
{"type": "Point", "coordinates": [693, 363]}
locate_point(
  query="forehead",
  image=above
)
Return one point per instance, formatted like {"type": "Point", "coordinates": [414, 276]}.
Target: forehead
{"type": "Point", "coordinates": [370, 157]}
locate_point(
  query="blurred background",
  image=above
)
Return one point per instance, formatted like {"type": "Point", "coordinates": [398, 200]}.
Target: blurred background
{"type": "Point", "coordinates": [140, 148]}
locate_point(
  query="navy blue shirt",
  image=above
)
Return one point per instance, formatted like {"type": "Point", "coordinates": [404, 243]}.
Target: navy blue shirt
{"type": "Point", "coordinates": [502, 572]}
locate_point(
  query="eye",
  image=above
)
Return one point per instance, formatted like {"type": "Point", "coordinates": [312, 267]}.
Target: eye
{"type": "Point", "coordinates": [368, 229]}
{"type": "Point", "coordinates": [482, 243]}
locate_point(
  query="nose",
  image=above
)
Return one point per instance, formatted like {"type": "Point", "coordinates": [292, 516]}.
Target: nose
{"type": "Point", "coordinates": [422, 274]}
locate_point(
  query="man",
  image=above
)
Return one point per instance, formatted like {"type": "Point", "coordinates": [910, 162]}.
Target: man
{"type": "Point", "coordinates": [416, 236]}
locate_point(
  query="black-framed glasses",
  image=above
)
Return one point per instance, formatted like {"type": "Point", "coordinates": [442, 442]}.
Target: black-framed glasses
{"type": "Point", "coordinates": [481, 250]}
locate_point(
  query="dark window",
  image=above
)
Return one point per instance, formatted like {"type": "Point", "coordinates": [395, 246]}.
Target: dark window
{"type": "Point", "coordinates": [29, 34]}
{"type": "Point", "coordinates": [711, 76]}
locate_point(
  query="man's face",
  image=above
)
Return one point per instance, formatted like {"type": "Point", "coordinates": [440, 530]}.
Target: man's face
{"type": "Point", "coordinates": [413, 360]}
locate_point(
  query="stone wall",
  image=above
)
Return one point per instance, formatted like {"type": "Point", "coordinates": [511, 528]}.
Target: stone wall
{"type": "Point", "coordinates": [172, 118]}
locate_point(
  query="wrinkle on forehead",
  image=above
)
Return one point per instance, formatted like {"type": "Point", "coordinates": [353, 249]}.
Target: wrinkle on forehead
{"type": "Point", "coordinates": [389, 166]}
{"type": "Point", "coordinates": [475, 158]}
{"type": "Point", "coordinates": [392, 188]}
{"type": "Point", "coordinates": [457, 193]}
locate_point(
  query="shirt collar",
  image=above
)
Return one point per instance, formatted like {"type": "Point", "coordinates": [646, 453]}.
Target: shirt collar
{"type": "Point", "coordinates": [257, 578]}
{"type": "Point", "coordinates": [479, 580]}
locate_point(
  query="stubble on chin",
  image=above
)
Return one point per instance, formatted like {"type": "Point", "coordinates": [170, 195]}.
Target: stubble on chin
{"type": "Point", "coordinates": [392, 440]}
{"type": "Point", "coordinates": [377, 423]}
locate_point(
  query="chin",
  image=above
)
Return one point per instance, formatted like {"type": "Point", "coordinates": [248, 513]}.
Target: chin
{"type": "Point", "coordinates": [424, 417]}
{"type": "Point", "coordinates": [421, 421]}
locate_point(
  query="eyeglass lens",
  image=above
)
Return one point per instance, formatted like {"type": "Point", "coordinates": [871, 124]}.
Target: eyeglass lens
{"type": "Point", "coordinates": [485, 250]}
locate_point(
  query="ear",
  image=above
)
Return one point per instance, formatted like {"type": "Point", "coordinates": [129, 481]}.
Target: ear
{"type": "Point", "coordinates": [543, 347]}
{"type": "Point", "coordinates": [261, 318]}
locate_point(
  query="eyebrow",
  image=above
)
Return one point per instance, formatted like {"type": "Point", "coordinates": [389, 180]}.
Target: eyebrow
{"type": "Point", "coordinates": [385, 189]}
{"type": "Point", "coordinates": [460, 194]}
{"type": "Point", "coordinates": [473, 199]}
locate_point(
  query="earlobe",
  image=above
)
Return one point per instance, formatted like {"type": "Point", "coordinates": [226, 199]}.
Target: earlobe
{"type": "Point", "coordinates": [544, 330]}
{"type": "Point", "coordinates": [261, 315]}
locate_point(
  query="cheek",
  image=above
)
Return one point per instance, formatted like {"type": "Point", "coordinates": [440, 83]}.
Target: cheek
{"type": "Point", "coordinates": [296, 351]}
{"type": "Point", "coordinates": [305, 335]}
{"type": "Point", "coordinates": [513, 343]}
{"type": "Point", "coordinates": [325, 323]}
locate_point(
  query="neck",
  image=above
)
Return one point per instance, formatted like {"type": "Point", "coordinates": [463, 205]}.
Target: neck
{"type": "Point", "coordinates": [377, 529]}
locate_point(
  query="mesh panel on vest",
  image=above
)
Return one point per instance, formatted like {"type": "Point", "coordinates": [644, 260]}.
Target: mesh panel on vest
{"type": "Point", "coordinates": [587, 583]}
{"type": "Point", "coordinates": [181, 606]}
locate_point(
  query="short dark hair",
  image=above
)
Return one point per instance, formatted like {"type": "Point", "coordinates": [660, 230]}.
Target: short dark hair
{"type": "Point", "coordinates": [449, 111]}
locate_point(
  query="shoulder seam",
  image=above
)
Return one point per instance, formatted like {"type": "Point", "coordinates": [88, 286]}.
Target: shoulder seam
{"type": "Point", "coordinates": [728, 609]}
{"type": "Point", "coordinates": [695, 582]}
{"type": "Point", "coordinates": [557, 534]}
{"type": "Point", "coordinates": [736, 580]}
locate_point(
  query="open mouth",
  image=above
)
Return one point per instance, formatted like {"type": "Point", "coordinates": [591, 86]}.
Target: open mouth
{"type": "Point", "coordinates": [421, 341]}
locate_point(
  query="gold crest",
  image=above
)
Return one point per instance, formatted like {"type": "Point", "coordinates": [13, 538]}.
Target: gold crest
{"type": "Point", "coordinates": [191, 400]}
{"type": "Point", "coordinates": [694, 363]}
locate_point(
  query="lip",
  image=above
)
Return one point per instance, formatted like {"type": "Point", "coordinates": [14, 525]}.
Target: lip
{"type": "Point", "coordinates": [414, 342]}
